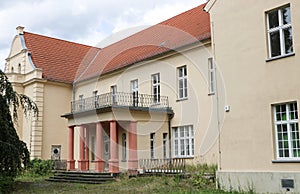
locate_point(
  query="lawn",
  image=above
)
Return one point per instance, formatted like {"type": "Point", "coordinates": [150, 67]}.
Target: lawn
{"type": "Point", "coordinates": [122, 185]}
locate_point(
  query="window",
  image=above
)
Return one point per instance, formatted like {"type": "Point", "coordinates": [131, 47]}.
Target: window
{"type": "Point", "coordinates": [135, 94]}
{"type": "Point", "coordinates": [93, 148]}
{"type": "Point", "coordinates": [280, 32]}
{"type": "Point", "coordinates": [12, 69]}
{"type": "Point", "coordinates": [286, 130]}
{"type": "Point", "coordinates": [184, 141]}
{"type": "Point", "coordinates": [113, 90]}
{"type": "Point", "coordinates": [156, 87]}
{"type": "Point", "coordinates": [124, 146]}
{"type": "Point", "coordinates": [165, 136]}
{"type": "Point", "coordinates": [96, 98]}
{"type": "Point", "coordinates": [19, 68]}
{"type": "Point", "coordinates": [211, 71]}
{"type": "Point", "coordinates": [152, 135]}
{"type": "Point", "coordinates": [81, 102]}
{"type": "Point", "coordinates": [182, 82]}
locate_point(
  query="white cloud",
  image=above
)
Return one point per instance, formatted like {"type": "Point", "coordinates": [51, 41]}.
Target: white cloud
{"type": "Point", "coordinates": [86, 22]}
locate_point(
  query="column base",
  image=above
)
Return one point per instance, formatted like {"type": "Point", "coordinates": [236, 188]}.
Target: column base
{"type": "Point", "coordinates": [83, 165]}
{"type": "Point", "coordinates": [71, 165]}
{"type": "Point", "coordinates": [133, 164]}
{"type": "Point", "coordinates": [113, 166]}
{"type": "Point", "coordinates": [99, 165]}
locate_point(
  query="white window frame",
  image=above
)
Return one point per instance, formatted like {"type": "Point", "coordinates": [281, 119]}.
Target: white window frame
{"type": "Point", "coordinates": [81, 102]}
{"type": "Point", "coordinates": [182, 78]}
{"type": "Point", "coordinates": [135, 92]}
{"type": "Point", "coordinates": [211, 76]}
{"type": "Point", "coordinates": [114, 91]}
{"type": "Point", "coordinates": [96, 98]}
{"type": "Point", "coordinates": [281, 27]}
{"type": "Point", "coordinates": [156, 88]}
{"type": "Point", "coordinates": [152, 145]}
{"type": "Point", "coordinates": [182, 149]}
{"type": "Point", "coordinates": [288, 122]}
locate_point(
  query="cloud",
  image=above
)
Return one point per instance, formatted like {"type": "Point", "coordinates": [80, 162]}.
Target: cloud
{"type": "Point", "coordinates": [86, 22]}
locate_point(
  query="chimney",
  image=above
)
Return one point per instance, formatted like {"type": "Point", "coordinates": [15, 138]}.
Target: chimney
{"type": "Point", "coordinates": [20, 30]}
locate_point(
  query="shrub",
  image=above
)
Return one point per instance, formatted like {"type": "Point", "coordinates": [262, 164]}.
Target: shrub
{"type": "Point", "coordinates": [40, 167]}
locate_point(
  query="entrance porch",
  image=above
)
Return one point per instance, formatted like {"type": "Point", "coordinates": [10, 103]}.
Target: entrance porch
{"type": "Point", "coordinates": [99, 146]}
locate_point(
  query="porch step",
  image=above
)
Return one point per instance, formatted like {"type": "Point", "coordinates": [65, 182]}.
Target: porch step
{"type": "Point", "coordinates": [81, 177]}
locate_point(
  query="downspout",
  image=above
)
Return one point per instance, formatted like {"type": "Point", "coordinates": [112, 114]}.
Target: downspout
{"type": "Point", "coordinates": [170, 117]}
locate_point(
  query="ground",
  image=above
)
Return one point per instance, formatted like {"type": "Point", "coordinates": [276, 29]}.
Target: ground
{"type": "Point", "coordinates": [122, 185]}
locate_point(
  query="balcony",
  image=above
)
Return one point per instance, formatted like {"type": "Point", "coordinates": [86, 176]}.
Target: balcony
{"type": "Point", "coordinates": [133, 101]}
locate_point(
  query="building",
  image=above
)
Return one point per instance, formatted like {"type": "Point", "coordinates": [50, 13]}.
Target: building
{"type": "Point", "coordinates": [146, 98]}
{"type": "Point", "coordinates": [44, 68]}
{"type": "Point", "coordinates": [255, 47]}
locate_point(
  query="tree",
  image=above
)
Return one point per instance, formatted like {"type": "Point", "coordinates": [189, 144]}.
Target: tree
{"type": "Point", "coordinates": [14, 152]}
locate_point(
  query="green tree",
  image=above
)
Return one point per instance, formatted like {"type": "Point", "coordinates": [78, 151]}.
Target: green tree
{"type": "Point", "coordinates": [14, 153]}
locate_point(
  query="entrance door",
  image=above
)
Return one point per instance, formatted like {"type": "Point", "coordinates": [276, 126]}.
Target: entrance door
{"type": "Point", "coordinates": [106, 151]}
{"type": "Point", "coordinates": [135, 94]}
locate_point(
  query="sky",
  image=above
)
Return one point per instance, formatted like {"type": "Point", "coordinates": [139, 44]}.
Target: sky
{"type": "Point", "coordinates": [91, 22]}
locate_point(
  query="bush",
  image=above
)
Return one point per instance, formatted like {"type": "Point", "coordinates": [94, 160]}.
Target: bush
{"type": "Point", "coordinates": [41, 167]}
{"type": "Point", "coordinates": [6, 183]}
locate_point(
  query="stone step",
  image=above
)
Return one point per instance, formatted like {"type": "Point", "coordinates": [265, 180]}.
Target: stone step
{"type": "Point", "coordinates": [81, 177]}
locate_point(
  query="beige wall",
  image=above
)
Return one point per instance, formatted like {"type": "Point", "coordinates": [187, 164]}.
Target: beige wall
{"type": "Point", "coordinates": [56, 102]}
{"type": "Point", "coordinates": [52, 99]}
{"type": "Point", "coordinates": [198, 110]}
{"type": "Point", "coordinates": [252, 85]}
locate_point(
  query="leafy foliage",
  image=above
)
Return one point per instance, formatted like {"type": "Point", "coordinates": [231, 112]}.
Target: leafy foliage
{"type": "Point", "coordinates": [40, 167]}
{"type": "Point", "coordinates": [14, 153]}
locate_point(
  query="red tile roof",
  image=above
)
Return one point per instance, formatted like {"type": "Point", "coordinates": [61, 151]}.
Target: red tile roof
{"type": "Point", "coordinates": [59, 59]}
{"type": "Point", "coordinates": [186, 28]}
{"type": "Point", "coordinates": [67, 62]}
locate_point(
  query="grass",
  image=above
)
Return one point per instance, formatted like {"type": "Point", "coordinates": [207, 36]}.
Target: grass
{"type": "Point", "coordinates": [122, 185]}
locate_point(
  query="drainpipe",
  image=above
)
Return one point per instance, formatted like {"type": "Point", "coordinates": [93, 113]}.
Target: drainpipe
{"type": "Point", "coordinates": [170, 117]}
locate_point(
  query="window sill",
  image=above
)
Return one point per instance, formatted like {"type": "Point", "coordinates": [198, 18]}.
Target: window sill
{"type": "Point", "coordinates": [286, 161]}
{"type": "Point", "coordinates": [280, 57]}
{"type": "Point", "coordinates": [181, 99]}
{"type": "Point", "coordinates": [184, 157]}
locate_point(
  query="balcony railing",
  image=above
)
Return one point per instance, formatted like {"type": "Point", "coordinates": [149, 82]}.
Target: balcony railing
{"type": "Point", "coordinates": [121, 99]}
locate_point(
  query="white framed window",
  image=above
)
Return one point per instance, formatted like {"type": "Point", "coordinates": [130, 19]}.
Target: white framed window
{"type": "Point", "coordinates": [183, 141]}
{"type": "Point", "coordinates": [165, 139]}
{"type": "Point", "coordinates": [280, 32]}
{"type": "Point", "coordinates": [286, 130]}
{"type": "Point", "coordinates": [152, 146]}
{"type": "Point", "coordinates": [211, 76]}
{"type": "Point", "coordinates": [124, 145]}
{"type": "Point", "coordinates": [96, 98]}
{"type": "Point", "coordinates": [19, 68]}
{"type": "Point", "coordinates": [156, 87]}
{"type": "Point", "coordinates": [135, 92]}
{"type": "Point", "coordinates": [81, 102]}
{"type": "Point", "coordinates": [182, 82]}
{"type": "Point", "coordinates": [113, 90]}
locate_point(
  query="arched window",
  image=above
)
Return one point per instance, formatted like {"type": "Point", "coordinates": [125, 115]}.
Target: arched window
{"type": "Point", "coordinates": [12, 69]}
{"type": "Point", "coordinates": [19, 68]}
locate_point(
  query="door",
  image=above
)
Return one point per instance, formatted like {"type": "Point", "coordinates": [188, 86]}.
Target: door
{"type": "Point", "coordinates": [106, 151]}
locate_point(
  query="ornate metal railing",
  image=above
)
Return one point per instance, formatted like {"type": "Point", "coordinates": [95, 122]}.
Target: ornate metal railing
{"type": "Point", "coordinates": [121, 99]}
{"type": "Point", "coordinates": [175, 165]}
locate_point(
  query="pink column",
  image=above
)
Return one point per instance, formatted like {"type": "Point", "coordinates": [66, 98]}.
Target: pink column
{"type": "Point", "coordinates": [81, 161]}
{"type": "Point", "coordinates": [87, 149]}
{"type": "Point", "coordinates": [99, 162]}
{"type": "Point", "coordinates": [71, 161]}
{"type": "Point", "coordinates": [114, 159]}
{"type": "Point", "coordinates": [132, 141]}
